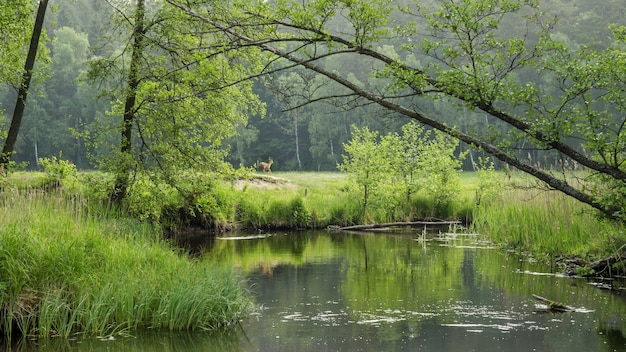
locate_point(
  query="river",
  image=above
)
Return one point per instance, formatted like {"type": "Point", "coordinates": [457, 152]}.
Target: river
{"type": "Point", "coordinates": [334, 291]}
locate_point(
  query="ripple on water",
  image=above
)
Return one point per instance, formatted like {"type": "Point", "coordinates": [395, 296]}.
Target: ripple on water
{"type": "Point", "coordinates": [461, 314]}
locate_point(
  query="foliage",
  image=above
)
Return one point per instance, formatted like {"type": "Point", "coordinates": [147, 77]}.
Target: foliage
{"type": "Point", "coordinates": [490, 185]}
{"type": "Point", "coordinates": [65, 271]}
{"type": "Point", "coordinates": [15, 17]}
{"type": "Point", "coordinates": [365, 164]}
{"type": "Point", "coordinates": [392, 170]}
{"type": "Point", "coordinates": [58, 173]}
{"type": "Point", "coordinates": [435, 161]}
{"type": "Point", "coordinates": [181, 98]}
{"type": "Point", "coordinates": [499, 60]}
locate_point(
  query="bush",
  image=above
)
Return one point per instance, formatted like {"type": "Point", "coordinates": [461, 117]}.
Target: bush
{"type": "Point", "coordinates": [300, 216]}
{"type": "Point", "coordinates": [389, 170]}
{"type": "Point", "coordinates": [58, 173]}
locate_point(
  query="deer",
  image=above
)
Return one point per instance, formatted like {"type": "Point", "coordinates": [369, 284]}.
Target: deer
{"type": "Point", "coordinates": [266, 166]}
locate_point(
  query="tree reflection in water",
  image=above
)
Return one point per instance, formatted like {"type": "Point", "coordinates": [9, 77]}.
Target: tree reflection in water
{"type": "Point", "coordinates": [321, 291]}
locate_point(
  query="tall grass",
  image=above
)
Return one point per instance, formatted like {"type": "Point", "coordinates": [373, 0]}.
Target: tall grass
{"type": "Point", "coordinates": [280, 206]}
{"type": "Point", "coordinates": [328, 199]}
{"type": "Point", "coordinates": [545, 223]}
{"type": "Point", "coordinates": [64, 271]}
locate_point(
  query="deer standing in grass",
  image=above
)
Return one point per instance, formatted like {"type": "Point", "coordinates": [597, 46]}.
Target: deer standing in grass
{"type": "Point", "coordinates": [266, 166]}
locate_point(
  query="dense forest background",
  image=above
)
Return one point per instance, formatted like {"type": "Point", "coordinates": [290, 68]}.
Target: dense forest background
{"type": "Point", "coordinates": [64, 107]}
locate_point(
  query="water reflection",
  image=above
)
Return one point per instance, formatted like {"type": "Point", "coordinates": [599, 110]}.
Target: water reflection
{"type": "Point", "coordinates": [379, 292]}
{"type": "Point", "coordinates": [320, 291]}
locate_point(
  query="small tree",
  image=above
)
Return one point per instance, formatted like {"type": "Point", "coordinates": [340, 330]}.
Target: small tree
{"type": "Point", "coordinates": [392, 168]}
{"type": "Point", "coordinates": [439, 166]}
{"type": "Point", "coordinates": [364, 163]}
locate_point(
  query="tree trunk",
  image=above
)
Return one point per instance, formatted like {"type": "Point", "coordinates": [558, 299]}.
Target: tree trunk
{"type": "Point", "coordinates": [122, 176]}
{"type": "Point", "coordinates": [295, 130]}
{"type": "Point", "coordinates": [396, 224]}
{"type": "Point", "coordinates": [18, 113]}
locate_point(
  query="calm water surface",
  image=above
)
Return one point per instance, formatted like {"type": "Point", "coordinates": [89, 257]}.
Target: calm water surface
{"type": "Point", "coordinates": [321, 291]}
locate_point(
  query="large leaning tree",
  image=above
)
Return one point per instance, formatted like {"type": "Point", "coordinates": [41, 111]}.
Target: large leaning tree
{"type": "Point", "coordinates": [498, 59]}
{"type": "Point", "coordinates": [179, 94]}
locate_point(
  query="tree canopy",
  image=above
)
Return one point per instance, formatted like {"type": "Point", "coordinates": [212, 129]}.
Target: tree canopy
{"type": "Point", "coordinates": [501, 60]}
{"type": "Point", "coordinates": [504, 76]}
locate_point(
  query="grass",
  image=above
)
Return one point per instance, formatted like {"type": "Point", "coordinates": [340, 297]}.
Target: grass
{"type": "Point", "coordinates": [329, 199]}
{"type": "Point", "coordinates": [296, 200]}
{"type": "Point", "coordinates": [64, 271]}
{"type": "Point", "coordinates": [69, 265]}
{"type": "Point", "coordinates": [524, 218]}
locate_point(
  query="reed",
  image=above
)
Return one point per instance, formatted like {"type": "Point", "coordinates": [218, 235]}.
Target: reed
{"type": "Point", "coordinates": [545, 223]}
{"type": "Point", "coordinates": [65, 271]}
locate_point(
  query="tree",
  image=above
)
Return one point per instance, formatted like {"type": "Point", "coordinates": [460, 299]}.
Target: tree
{"type": "Point", "coordinates": [182, 96]}
{"type": "Point", "coordinates": [57, 105]}
{"type": "Point", "coordinates": [392, 168]}
{"type": "Point", "coordinates": [431, 158]}
{"type": "Point", "coordinates": [493, 57]}
{"type": "Point", "coordinates": [129, 115]}
{"type": "Point", "coordinates": [18, 112]}
{"type": "Point", "coordinates": [365, 163]}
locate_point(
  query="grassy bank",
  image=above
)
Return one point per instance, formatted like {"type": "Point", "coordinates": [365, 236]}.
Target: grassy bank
{"type": "Point", "coordinates": [71, 264]}
{"type": "Point", "coordinates": [508, 209]}
{"type": "Point", "coordinates": [524, 218]}
{"type": "Point", "coordinates": [65, 270]}
{"type": "Point", "coordinates": [319, 199]}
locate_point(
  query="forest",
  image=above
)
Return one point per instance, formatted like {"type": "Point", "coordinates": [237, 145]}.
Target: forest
{"type": "Point", "coordinates": [162, 86]}
{"type": "Point", "coordinates": [64, 106]}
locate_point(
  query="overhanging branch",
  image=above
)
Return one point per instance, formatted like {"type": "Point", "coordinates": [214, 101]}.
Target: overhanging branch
{"type": "Point", "coordinates": [550, 180]}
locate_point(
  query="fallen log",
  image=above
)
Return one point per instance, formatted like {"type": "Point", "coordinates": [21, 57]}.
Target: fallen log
{"type": "Point", "coordinates": [600, 267]}
{"type": "Point", "coordinates": [554, 306]}
{"type": "Point", "coordinates": [394, 224]}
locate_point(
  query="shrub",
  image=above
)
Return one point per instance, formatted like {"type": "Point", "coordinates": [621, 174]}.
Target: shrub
{"type": "Point", "coordinates": [58, 173]}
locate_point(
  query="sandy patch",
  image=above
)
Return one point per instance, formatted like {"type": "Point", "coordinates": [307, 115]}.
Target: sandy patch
{"type": "Point", "coordinates": [265, 182]}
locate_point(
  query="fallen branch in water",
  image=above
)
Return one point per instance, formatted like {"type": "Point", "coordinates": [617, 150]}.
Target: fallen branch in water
{"type": "Point", "coordinates": [394, 224]}
{"type": "Point", "coordinates": [554, 306]}
{"type": "Point", "coordinates": [605, 264]}
{"type": "Point", "coordinates": [600, 267]}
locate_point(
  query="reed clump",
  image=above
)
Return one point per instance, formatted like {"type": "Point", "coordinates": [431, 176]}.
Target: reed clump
{"type": "Point", "coordinates": [525, 218]}
{"type": "Point", "coordinates": [66, 269]}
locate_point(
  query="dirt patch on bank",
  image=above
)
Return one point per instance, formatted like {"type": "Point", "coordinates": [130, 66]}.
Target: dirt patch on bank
{"type": "Point", "coordinates": [265, 182]}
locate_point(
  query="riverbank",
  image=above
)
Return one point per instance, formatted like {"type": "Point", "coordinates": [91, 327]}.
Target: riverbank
{"type": "Point", "coordinates": [509, 209]}
{"type": "Point", "coordinates": [71, 263]}
{"type": "Point", "coordinates": [69, 267]}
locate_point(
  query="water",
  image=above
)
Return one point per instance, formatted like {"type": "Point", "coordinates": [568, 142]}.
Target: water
{"type": "Point", "coordinates": [321, 291]}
